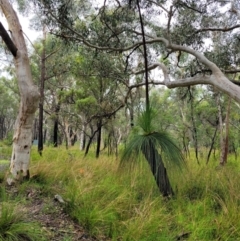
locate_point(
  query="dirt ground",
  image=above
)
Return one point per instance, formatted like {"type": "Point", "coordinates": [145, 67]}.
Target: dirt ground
{"type": "Point", "coordinates": [49, 213]}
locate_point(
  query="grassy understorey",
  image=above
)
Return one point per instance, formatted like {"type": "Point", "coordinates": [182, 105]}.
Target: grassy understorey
{"type": "Point", "coordinates": [126, 204]}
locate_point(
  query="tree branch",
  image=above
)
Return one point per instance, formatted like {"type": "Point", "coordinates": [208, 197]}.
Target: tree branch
{"type": "Point", "coordinates": [226, 29]}
{"type": "Point", "coordinates": [8, 41]}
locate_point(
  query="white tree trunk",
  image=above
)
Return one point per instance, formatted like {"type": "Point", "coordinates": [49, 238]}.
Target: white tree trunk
{"type": "Point", "coordinates": [82, 137]}
{"type": "Point", "coordinates": [22, 139]}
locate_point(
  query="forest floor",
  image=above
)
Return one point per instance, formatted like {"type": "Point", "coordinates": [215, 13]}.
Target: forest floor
{"type": "Point", "coordinates": [49, 213]}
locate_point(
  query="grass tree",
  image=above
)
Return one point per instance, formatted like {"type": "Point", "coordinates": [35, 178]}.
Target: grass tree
{"type": "Point", "coordinates": [146, 141]}
{"type": "Point", "coordinates": [156, 147]}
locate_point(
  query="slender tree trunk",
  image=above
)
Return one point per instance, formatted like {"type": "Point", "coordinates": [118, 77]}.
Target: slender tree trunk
{"type": "Point", "coordinates": [67, 134]}
{"type": "Point", "coordinates": [55, 126]}
{"type": "Point", "coordinates": [42, 81]}
{"type": "Point", "coordinates": [131, 113]}
{"type": "Point", "coordinates": [226, 137]}
{"type": "Point", "coordinates": [22, 138]}
{"type": "Point", "coordinates": [93, 133]}
{"type": "Point", "coordinates": [194, 129]}
{"type": "Point", "coordinates": [82, 137]}
{"type": "Point", "coordinates": [44, 135]}
{"type": "Point", "coordinates": [185, 144]}
{"type": "Point", "coordinates": [145, 58]}
{"type": "Point", "coordinates": [223, 133]}
{"type": "Point", "coordinates": [212, 144]}
{"type": "Point", "coordinates": [99, 136]}
{"type": "Point", "coordinates": [35, 129]}
{"type": "Point", "coordinates": [55, 133]}
{"type": "Point", "coordinates": [1, 127]}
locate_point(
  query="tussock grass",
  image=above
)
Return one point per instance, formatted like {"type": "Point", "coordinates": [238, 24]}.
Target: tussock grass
{"type": "Point", "coordinates": [13, 226]}
{"type": "Point", "coordinates": [126, 205]}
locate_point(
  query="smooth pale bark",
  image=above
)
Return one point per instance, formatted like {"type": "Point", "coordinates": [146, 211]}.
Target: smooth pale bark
{"type": "Point", "coordinates": [217, 79]}
{"type": "Point", "coordinates": [69, 134]}
{"type": "Point", "coordinates": [22, 139]}
{"type": "Point", "coordinates": [82, 137]}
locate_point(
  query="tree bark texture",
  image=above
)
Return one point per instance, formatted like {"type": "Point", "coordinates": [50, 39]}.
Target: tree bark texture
{"type": "Point", "coordinates": [158, 170]}
{"type": "Point", "coordinates": [22, 138]}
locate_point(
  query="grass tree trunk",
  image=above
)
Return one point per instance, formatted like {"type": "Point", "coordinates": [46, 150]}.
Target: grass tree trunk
{"type": "Point", "coordinates": [22, 138]}
{"type": "Point", "coordinates": [158, 170]}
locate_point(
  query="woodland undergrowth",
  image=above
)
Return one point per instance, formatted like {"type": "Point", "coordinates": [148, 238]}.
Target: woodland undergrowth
{"type": "Point", "coordinates": [125, 204]}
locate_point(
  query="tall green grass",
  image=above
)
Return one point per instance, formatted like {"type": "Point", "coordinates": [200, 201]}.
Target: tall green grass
{"type": "Point", "coordinates": [126, 204]}
{"type": "Point", "coordinates": [13, 226]}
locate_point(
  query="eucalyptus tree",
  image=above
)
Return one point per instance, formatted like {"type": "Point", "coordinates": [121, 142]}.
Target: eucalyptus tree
{"type": "Point", "coordinates": [149, 145]}
{"type": "Point", "coordinates": [50, 63]}
{"type": "Point", "coordinates": [149, 29]}
{"type": "Point", "coordinates": [96, 93]}
{"type": "Point", "coordinates": [171, 27]}
{"type": "Point", "coordinates": [22, 138]}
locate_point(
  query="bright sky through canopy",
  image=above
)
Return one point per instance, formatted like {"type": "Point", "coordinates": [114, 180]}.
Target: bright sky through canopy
{"type": "Point", "coordinates": [24, 21]}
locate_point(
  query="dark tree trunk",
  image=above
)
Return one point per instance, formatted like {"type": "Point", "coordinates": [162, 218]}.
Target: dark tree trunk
{"type": "Point", "coordinates": [90, 140]}
{"type": "Point", "coordinates": [99, 135]}
{"type": "Point", "coordinates": [42, 80]}
{"type": "Point", "coordinates": [55, 133]}
{"type": "Point", "coordinates": [212, 144]}
{"type": "Point", "coordinates": [40, 130]}
{"type": "Point", "coordinates": [194, 129]}
{"type": "Point", "coordinates": [2, 127]}
{"type": "Point", "coordinates": [158, 169]}
{"type": "Point", "coordinates": [88, 145]}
